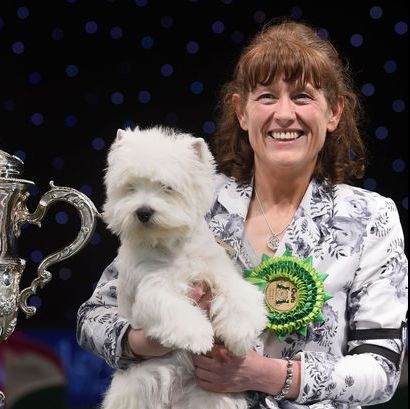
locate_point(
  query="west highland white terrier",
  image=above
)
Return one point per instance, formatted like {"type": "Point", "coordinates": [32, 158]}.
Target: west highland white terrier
{"type": "Point", "coordinates": [159, 185]}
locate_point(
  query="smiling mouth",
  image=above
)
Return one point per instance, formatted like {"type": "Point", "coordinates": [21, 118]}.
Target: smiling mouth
{"type": "Point", "coordinates": [285, 136]}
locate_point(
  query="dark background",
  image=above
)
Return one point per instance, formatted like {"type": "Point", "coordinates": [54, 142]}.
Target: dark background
{"type": "Point", "coordinates": [73, 72]}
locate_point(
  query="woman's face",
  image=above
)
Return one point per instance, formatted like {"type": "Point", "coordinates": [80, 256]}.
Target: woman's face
{"type": "Point", "coordinates": [287, 125]}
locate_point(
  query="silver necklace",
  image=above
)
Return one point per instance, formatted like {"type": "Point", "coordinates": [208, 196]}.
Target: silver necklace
{"type": "Point", "coordinates": [273, 240]}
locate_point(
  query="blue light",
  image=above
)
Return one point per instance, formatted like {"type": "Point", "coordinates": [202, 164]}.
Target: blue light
{"type": "Point", "coordinates": [192, 47]}
{"type": "Point", "coordinates": [116, 33]}
{"type": "Point", "coordinates": [35, 301]}
{"type": "Point", "coordinates": [227, 1]}
{"type": "Point", "coordinates": [390, 66]}
{"type": "Point", "coordinates": [57, 34]}
{"type": "Point", "coordinates": [167, 21]}
{"type": "Point", "coordinates": [218, 27]}
{"type": "Point", "coordinates": [95, 239]}
{"type": "Point", "coordinates": [9, 105]}
{"type": "Point", "coordinates": [34, 191]}
{"type": "Point", "coordinates": [23, 13]}
{"type": "Point", "coordinates": [368, 89]}
{"type": "Point", "coordinates": [34, 78]}
{"type": "Point", "coordinates": [237, 37]}
{"type": "Point", "coordinates": [141, 3]}
{"type": "Point", "coordinates": [376, 12]}
{"type": "Point", "coordinates": [58, 163]}
{"type": "Point", "coordinates": [197, 87]}
{"type": "Point", "coordinates": [91, 27]}
{"type": "Point", "coordinates": [323, 34]}
{"type": "Point", "coordinates": [370, 184]}
{"type": "Point", "coordinates": [36, 256]}
{"type": "Point", "coordinates": [18, 47]}
{"type": "Point", "coordinates": [71, 71]}
{"type": "Point", "coordinates": [259, 16]}
{"type": "Point", "coordinates": [400, 28]}
{"type": "Point", "coordinates": [147, 42]}
{"type": "Point", "coordinates": [399, 165]}
{"type": "Point", "coordinates": [117, 98]}
{"type": "Point", "coordinates": [87, 190]}
{"type": "Point", "coordinates": [296, 12]}
{"type": "Point", "coordinates": [1, 23]}
{"type": "Point", "coordinates": [144, 97]}
{"type": "Point", "coordinates": [98, 144]}
{"type": "Point", "coordinates": [21, 154]}
{"type": "Point", "coordinates": [61, 217]}
{"type": "Point", "coordinates": [398, 105]}
{"type": "Point", "coordinates": [37, 119]}
{"type": "Point", "coordinates": [167, 70]}
{"type": "Point", "coordinates": [405, 203]}
{"type": "Point", "coordinates": [381, 133]}
{"type": "Point", "coordinates": [209, 127]}
{"type": "Point", "coordinates": [356, 40]}
{"type": "Point", "coordinates": [70, 121]}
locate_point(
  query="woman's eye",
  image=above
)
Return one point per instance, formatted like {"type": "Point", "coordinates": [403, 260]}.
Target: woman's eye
{"type": "Point", "coordinates": [265, 96]}
{"type": "Point", "coordinates": [302, 96]}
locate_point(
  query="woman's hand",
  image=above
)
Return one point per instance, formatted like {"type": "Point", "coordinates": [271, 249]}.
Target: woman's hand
{"type": "Point", "coordinates": [144, 347]}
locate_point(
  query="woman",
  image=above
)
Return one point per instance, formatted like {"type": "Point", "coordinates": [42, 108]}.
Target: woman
{"type": "Point", "coordinates": [287, 144]}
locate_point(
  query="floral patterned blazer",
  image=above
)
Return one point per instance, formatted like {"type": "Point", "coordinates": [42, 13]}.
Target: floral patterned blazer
{"type": "Point", "coordinates": [354, 356]}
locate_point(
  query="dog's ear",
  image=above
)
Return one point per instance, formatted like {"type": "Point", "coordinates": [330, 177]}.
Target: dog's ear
{"type": "Point", "coordinates": [200, 149]}
{"type": "Point", "coordinates": [120, 135]}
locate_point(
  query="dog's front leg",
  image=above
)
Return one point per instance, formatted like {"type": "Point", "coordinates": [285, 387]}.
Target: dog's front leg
{"type": "Point", "coordinates": [171, 317]}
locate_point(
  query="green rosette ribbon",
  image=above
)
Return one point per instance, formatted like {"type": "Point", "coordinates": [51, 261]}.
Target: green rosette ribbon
{"type": "Point", "coordinates": [294, 292]}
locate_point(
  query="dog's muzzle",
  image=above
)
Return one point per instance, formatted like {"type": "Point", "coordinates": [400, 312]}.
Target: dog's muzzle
{"type": "Point", "coordinates": [144, 214]}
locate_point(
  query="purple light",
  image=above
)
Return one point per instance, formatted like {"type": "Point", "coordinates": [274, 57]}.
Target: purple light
{"type": "Point", "coordinates": [37, 119]}
{"type": "Point", "coordinates": [218, 27]}
{"type": "Point", "coordinates": [91, 27]}
{"type": "Point", "coordinates": [368, 89]}
{"type": "Point", "coordinates": [356, 40]}
{"type": "Point", "coordinates": [381, 133]}
{"type": "Point", "coordinates": [237, 37]}
{"type": "Point", "coordinates": [21, 154]}
{"type": "Point", "coordinates": [18, 47]}
{"type": "Point", "coordinates": [23, 13]}
{"type": "Point", "coordinates": [58, 163]}
{"type": "Point", "coordinates": [95, 239]}
{"type": "Point", "coordinates": [209, 127]}
{"type": "Point", "coordinates": [117, 98]}
{"type": "Point", "coordinates": [398, 105]}
{"type": "Point", "coordinates": [36, 256]}
{"type": "Point", "coordinates": [98, 144]}
{"type": "Point", "coordinates": [399, 165]}
{"type": "Point", "coordinates": [167, 70]}
{"type": "Point", "coordinates": [141, 3]}
{"type": "Point", "coordinates": [192, 47]}
{"type": "Point", "coordinates": [296, 12]}
{"type": "Point", "coordinates": [1, 23]}
{"type": "Point", "coordinates": [71, 71]}
{"type": "Point", "coordinates": [70, 121]}
{"type": "Point", "coordinates": [144, 97]}
{"type": "Point", "coordinates": [172, 118]}
{"type": "Point", "coordinates": [35, 301]}
{"type": "Point", "coordinates": [116, 33]}
{"type": "Point", "coordinates": [259, 16]}
{"type": "Point", "coordinates": [61, 217]}
{"type": "Point", "coordinates": [65, 273]}
{"type": "Point", "coordinates": [370, 184]}
{"type": "Point", "coordinates": [57, 34]}
{"type": "Point", "coordinates": [390, 66]}
{"type": "Point", "coordinates": [400, 28]}
{"type": "Point", "coordinates": [34, 78]}
{"type": "Point", "coordinates": [405, 203]}
{"type": "Point", "coordinates": [376, 12]}
{"type": "Point", "coordinates": [92, 99]}
{"type": "Point", "coordinates": [323, 34]}
{"type": "Point", "coordinates": [167, 21]}
{"type": "Point", "coordinates": [87, 190]}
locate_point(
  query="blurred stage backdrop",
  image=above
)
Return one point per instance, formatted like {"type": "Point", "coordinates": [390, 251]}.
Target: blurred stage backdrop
{"type": "Point", "coordinates": [74, 71]}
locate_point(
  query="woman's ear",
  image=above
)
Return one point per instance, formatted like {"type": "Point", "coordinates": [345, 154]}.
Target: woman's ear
{"type": "Point", "coordinates": [240, 114]}
{"type": "Point", "coordinates": [336, 113]}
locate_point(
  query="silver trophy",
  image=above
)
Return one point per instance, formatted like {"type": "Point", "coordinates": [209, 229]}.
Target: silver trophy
{"type": "Point", "coordinates": [13, 214]}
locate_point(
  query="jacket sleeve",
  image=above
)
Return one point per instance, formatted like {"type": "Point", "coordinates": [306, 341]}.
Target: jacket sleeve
{"type": "Point", "coordinates": [99, 328]}
{"type": "Point", "coordinates": [369, 371]}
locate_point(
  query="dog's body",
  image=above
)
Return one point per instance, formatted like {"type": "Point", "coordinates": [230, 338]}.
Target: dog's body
{"type": "Point", "coordinates": [159, 186]}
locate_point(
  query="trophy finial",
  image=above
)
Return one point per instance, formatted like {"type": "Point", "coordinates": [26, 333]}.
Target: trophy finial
{"type": "Point", "coordinates": [10, 166]}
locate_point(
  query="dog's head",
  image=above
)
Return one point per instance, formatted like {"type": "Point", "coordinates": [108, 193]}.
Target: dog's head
{"type": "Point", "coordinates": [159, 184]}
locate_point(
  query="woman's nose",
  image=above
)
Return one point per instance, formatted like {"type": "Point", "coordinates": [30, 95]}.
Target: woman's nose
{"type": "Point", "coordinates": [284, 111]}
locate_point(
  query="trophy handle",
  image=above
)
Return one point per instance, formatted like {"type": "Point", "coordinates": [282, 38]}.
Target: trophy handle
{"type": "Point", "coordinates": [88, 214]}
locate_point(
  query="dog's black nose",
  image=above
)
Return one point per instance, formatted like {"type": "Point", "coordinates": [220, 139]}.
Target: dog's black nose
{"type": "Point", "coordinates": [144, 214]}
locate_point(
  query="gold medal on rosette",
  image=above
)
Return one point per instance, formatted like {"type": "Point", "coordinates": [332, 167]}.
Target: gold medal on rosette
{"type": "Point", "coordinates": [294, 292]}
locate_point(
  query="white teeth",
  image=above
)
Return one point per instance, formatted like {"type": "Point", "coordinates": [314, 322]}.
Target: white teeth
{"type": "Point", "coordinates": [284, 135]}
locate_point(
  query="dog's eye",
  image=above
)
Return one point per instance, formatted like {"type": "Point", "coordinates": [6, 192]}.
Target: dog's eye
{"type": "Point", "coordinates": [166, 188]}
{"type": "Point", "coordinates": [130, 188]}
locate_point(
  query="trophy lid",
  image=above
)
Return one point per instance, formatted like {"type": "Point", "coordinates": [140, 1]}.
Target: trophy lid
{"type": "Point", "coordinates": [10, 166]}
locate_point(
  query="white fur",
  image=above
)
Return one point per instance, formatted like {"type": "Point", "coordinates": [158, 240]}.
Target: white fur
{"type": "Point", "coordinates": [172, 175]}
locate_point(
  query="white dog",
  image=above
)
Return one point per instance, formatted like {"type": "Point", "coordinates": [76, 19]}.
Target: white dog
{"type": "Point", "coordinates": [159, 186]}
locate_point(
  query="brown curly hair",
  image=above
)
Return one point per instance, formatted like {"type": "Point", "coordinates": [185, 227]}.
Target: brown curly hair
{"type": "Point", "coordinates": [297, 53]}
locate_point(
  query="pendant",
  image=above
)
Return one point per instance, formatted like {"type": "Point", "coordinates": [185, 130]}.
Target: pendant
{"type": "Point", "coordinates": [273, 242]}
